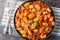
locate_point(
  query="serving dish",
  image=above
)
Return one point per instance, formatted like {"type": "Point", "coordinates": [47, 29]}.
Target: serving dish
{"type": "Point", "coordinates": [31, 6]}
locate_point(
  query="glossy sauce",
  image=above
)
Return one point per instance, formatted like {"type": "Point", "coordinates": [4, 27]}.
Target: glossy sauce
{"type": "Point", "coordinates": [34, 20]}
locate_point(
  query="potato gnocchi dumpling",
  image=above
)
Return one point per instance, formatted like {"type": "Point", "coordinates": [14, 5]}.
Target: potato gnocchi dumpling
{"type": "Point", "coordinates": [34, 20]}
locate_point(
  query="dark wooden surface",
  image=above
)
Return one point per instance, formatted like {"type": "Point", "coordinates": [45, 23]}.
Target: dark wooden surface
{"type": "Point", "coordinates": [54, 3]}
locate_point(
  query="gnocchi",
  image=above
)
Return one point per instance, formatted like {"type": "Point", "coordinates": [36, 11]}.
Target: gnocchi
{"type": "Point", "coordinates": [34, 20]}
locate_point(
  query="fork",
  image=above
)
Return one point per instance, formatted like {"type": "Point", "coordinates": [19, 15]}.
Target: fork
{"type": "Point", "coordinates": [8, 26]}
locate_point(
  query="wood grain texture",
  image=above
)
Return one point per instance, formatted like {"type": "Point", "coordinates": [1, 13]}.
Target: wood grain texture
{"type": "Point", "coordinates": [55, 3]}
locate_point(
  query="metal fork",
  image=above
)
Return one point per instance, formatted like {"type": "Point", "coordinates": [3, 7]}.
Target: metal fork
{"type": "Point", "coordinates": [8, 28]}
